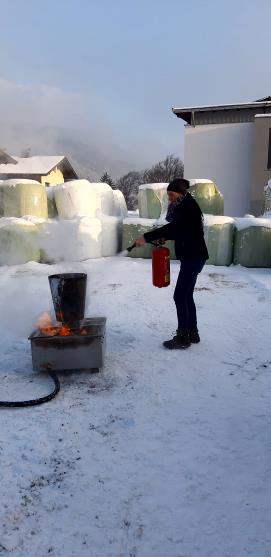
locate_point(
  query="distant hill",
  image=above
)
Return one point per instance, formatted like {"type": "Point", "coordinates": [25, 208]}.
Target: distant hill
{"type": "Point", "coordinates": [89, 158]}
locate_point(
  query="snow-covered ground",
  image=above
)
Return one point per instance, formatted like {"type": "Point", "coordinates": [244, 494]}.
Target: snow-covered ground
{"type": "Point", "coordinates": [163, 454]}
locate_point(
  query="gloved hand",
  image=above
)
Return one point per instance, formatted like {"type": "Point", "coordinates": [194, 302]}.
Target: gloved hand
{"type": "Point", "coordinates": [140, 242]}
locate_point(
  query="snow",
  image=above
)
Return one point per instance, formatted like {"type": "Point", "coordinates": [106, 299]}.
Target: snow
{"type": "Point", "coordinates": [163, 454]}
{"type": "Point", "coordinates": [138, 220]}
{"type": "Point", "coordinates": [242, 223]}
{"type": "Point", "coordinates": [31, 165]}
{"type": "Point", "coordinates": [158, 186]}
{"type": "Point", "coordinates": [196, 181]}
{"type": "Point", "coordinates": [210, 220]}
{"type": "Point", "coordinates": [15, 181]}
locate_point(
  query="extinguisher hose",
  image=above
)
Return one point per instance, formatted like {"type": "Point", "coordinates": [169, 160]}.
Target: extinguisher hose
{"type": "Point", "coordinates": [35, 401]}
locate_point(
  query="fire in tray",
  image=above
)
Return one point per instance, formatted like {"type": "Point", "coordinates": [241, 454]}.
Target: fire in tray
{"type": "Point", "coordinates": [46, 326]}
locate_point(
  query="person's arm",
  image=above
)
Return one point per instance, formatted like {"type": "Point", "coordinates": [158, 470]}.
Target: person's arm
{"type": "Point", "coordinates": [168, 232]}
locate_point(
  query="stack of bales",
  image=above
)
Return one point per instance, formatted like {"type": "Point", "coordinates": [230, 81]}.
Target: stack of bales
{"type": "Point", "coordinates": [85, 221]}
{"type": "Point", "coordinates": [18, 237]}
{"type": "Point", "coordinates": [153, 203]}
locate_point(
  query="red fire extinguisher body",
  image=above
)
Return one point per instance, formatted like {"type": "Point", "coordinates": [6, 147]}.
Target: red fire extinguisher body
{"type": "Point", "coordinates": [160, 267]}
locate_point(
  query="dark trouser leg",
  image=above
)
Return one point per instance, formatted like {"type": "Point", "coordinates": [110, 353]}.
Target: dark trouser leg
{"type": "Point", "coordinates": [183, 295]}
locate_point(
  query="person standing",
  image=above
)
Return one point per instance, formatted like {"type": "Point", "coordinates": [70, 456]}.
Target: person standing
{"type": "Point", "coordinates": [185, 227]}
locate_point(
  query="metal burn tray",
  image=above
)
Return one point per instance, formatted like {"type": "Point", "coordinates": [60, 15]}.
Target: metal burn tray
{"type": "Point", "coordinates": [74, 352]}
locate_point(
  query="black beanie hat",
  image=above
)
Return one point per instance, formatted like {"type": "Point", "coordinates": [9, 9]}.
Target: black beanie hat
{"type": "Point", "coordinates": [179, 185]}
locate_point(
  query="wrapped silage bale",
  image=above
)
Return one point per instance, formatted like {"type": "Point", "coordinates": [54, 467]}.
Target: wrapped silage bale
{"type": "Point", "coordinates": [52, 209]}
{"type": "Point", "coordinates": [267, 198]}
{"type": "Point", "coordinates": [77, 199]}
{"type": "Point", "coordinates": [120, 207]}
{"type": "Point", "coordinates": [219, 234]}
{"type": "Point", "coordinates": [152, 200]}
{"type": "Point", "coordinates": [252, 242]}
{"type": "Point", "coordinates": [207, 195]}
{"type": "Point", "coordinates": [18, 241]}
{"type": "Point", "coordinates": [70, 240]}
{"type": "Point", "coordinates": [20, 197]}
{"type": "Point", "coordinates": [132, 229]}
{"type": "Point", "coordinates": [105, 193]}
{"type": "Point", "coordinates": [111, 235]}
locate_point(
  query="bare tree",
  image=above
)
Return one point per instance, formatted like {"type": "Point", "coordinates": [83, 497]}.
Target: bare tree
{"type": "Point", "coordinates": [164, 171]}
{"type": "Point", "coordinates": [129, 184]}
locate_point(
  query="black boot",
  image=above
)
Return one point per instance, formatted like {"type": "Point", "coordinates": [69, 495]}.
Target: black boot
{"type": "Point", "coordinates": [180, 341]}
{"type": "Point", "coordinates": [194, 335]}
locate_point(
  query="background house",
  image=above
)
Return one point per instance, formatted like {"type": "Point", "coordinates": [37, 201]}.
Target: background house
{"type": "Point", "coordinates": [46, 169]}
{"type": "Point", "coordinates": [231, 145]}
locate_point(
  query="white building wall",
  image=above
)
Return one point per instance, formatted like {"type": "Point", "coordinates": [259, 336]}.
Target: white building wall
{"type": "Point", "coordinates": [222, 153]}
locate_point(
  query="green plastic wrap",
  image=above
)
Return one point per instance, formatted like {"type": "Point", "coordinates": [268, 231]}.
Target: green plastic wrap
{"type": "Point", "coordinates": [219, 234]}
{"type": "Point", "coordinates": [152, 200]}
{"type": "Point", "coordinates": [18, 242]}
{"type": "Point", "coordinates": [208, 196]}
{"type": "Point", "coordinates": [135, 227]}
{"type": "Point", "coordinates": [252, 246]}
{"type": "Point", "coordinates": [19, 198]}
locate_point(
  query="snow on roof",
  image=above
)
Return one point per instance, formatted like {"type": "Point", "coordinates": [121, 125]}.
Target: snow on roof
{"type": "Point", "coordinates": [32, 165]}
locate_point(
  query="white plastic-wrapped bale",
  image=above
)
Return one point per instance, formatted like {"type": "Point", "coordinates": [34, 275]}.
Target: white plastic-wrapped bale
{"type": "Point", "coordinates": [120, 207]}
{"type": "Point", "coordinates": [77, 199]}
{"type": "Point", "coordinates": [218, 233]}
{"type": "Point", "coordinates": [152, 200]}
{"type": "Point", "coordinates": [18, 241]}
{"type": "Point", "coordinates": [20, 197]}
{"type": "Point", "coordinates": [207, 195]}
{"type": "Point", "coordinates": [105, 193]}
{"type": "Point", "coordinates": [252, 242]}
{"type": "Point", "coordinates": [69, 240]}
{"type": "Point", "coordinates": [52, 209]}
{"type": "Point", "coordinates": [132, 229]}
{"type": "Point", "coordinates": [267, 198]}
{"type": "Point", "coordinates": [111, 235]}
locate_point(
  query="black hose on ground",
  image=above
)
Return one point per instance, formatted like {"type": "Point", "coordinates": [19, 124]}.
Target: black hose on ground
{"type": "Point", "coordinates": [35, 401]}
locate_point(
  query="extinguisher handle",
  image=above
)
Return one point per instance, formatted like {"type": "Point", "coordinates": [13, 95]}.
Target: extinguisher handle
{"type": "Point", "coordinates": [158, 243]}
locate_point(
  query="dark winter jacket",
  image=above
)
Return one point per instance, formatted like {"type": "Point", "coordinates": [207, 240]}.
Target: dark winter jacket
{"type": "Point", "coordinates": [186, 229]}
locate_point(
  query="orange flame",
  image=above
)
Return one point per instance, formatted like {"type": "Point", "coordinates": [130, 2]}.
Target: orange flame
{"type": "Point", "coordinates": [46, 327]}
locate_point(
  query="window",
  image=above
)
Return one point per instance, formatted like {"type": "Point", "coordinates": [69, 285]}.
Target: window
{"type": "Point", "coordinates": [269, 151]}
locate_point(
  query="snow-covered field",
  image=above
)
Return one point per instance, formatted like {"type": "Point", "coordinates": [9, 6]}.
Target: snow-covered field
{"type": "Point", "coordinates": [163, 454]}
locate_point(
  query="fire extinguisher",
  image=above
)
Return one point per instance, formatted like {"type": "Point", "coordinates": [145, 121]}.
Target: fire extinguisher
{"type": "Point", "coordinates": [160, 266]}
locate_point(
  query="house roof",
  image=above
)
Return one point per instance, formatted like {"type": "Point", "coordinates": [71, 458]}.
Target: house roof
{"type": "Point", "coordinates": [5, 158]}
{"type": "Point", "coordinates": [186, 112]}
{"type": "Point", "coordinates": [32, 165]}
{"type": "Point", "coordinates": [37, 166]}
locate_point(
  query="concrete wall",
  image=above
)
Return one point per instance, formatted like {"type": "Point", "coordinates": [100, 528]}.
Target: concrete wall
{"type": "Point", "coordinates": [222, 153]}
{"type": "Point", "coordinates": [260, 173]}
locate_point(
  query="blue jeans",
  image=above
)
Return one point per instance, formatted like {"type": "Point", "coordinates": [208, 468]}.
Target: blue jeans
{"type": "Point", "coordinates": [183, 295]}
